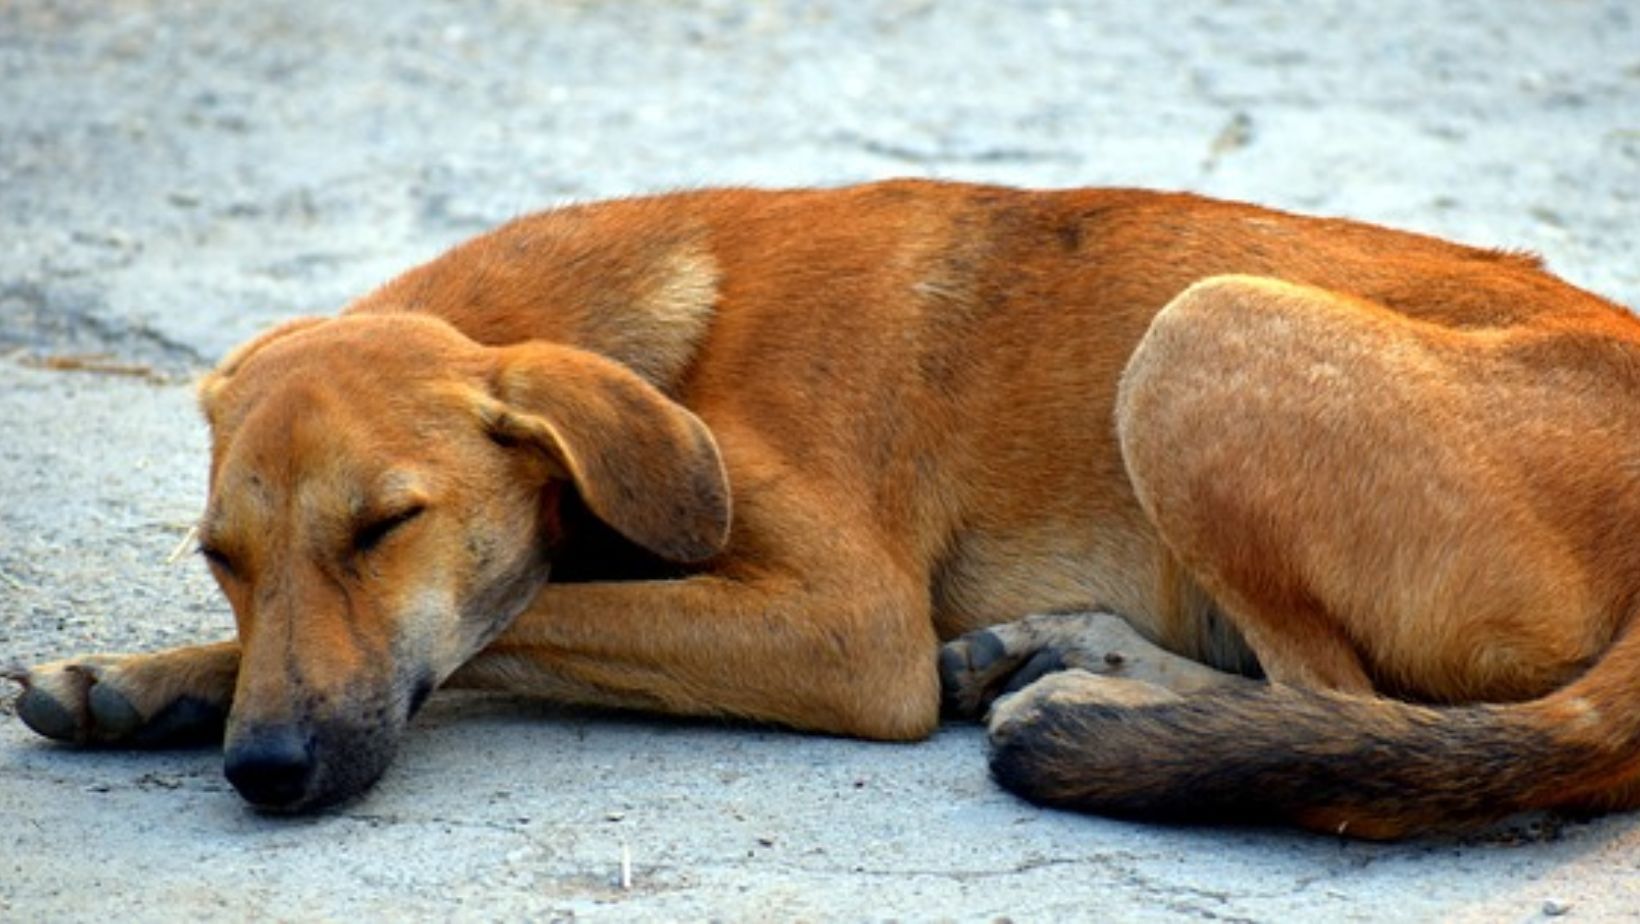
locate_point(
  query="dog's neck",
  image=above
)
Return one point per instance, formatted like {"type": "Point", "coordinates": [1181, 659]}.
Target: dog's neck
{"type": "Point", "coordinates": [642, 293]}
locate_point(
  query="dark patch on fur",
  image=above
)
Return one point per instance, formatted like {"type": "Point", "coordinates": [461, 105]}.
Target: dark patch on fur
{"type": "Point", "coordinates": [187, 721]}
{"type": "Point", "coordinates": [1044, 662]}
{"type": "Point", "coordinates": [1070, 235]}
{"type": "Point", "coordinates": [420, 692]}
{"type": "Point", "coordinates": [351, 758]}
{"type": "Point", "coordinates": [1270, 753]}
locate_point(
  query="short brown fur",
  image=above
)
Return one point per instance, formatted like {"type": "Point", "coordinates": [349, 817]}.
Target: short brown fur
{"type": "Point", "coordinates": [844, 425]}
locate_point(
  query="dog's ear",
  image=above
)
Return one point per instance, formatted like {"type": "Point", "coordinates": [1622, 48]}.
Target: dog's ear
{"type": "Point", "coordinates": [211, 385]}
{"type": "Point", "coordinates": [643, 463]}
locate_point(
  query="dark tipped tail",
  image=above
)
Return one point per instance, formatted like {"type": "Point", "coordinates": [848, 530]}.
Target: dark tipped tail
{"type": "Point", "coordinates": [1366, 767]}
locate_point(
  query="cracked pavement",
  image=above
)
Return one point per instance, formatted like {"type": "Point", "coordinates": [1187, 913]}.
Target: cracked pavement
{"type": "Point", "coordinates": [176, 176]}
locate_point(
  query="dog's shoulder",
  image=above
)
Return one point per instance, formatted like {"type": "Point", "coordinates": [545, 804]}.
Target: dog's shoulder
{"type": "Point", "coordinates": [635, 280]}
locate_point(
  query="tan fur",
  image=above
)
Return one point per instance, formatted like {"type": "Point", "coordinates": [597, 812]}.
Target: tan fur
{"type": "Point", "coordinates": [1376, 462]}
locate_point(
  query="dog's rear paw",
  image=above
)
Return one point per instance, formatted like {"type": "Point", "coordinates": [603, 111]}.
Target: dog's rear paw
{"type": "Point", "coordinates": [1067, 690]}
{"type": "Point", "coordinates": [100, 700]}
{"type": "Point", "coordinates": [981, 666]}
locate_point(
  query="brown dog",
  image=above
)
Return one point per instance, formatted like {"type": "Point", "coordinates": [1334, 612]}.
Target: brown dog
{"type": "Point", "coordinates": [775, 446]}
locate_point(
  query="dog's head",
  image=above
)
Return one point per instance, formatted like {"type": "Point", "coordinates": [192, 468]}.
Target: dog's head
{"type": "Point", "coordinates": [384, 501]}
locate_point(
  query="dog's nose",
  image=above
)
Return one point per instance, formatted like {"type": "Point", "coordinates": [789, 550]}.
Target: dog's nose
{"type": "Point", "coordinates": [271, 766]}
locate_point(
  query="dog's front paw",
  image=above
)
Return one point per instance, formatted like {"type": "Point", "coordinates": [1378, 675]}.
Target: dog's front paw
{"type": "Point", "coordinates": [113, 700]}
{"type": "Point", "coordinates": [57, 700]}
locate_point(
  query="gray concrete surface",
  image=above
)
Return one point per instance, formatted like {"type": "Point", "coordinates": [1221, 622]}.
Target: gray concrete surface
{"type": "Point", "coordinates": [175, 176]}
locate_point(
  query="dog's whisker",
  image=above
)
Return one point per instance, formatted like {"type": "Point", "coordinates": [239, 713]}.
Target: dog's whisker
{"type": "Point", "coordinates": [190, 541]}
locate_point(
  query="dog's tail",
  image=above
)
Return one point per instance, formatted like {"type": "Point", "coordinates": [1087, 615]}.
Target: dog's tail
{"type": "Point", "coordinates": [1366, 767]}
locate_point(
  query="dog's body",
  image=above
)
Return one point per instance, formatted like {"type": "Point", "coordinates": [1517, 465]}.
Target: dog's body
{"type": "Point", "coordinates": [777, 446]}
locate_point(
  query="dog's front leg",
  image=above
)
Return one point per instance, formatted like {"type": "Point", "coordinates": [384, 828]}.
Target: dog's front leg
{"type": "Point", "coordinates": [845, 661]}
{"type": "Point", "coordinates": [174, 697]}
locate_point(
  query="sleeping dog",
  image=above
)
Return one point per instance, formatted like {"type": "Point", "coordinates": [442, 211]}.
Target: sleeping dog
{"type": "Point", "coordinates": [1245, 514]}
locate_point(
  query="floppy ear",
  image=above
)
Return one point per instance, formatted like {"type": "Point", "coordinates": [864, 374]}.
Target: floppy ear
{"type": "Point", "coordinates": [642, 462]}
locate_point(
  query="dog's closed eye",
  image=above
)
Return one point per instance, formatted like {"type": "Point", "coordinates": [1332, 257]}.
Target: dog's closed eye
{"type": "Point", "coordinates": [372, 534]}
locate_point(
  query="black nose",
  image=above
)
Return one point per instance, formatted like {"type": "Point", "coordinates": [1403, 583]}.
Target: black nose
{"type": "Point", "coordinates": [271, 765]}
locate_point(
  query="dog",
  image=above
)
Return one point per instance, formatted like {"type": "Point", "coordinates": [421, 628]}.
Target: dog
{"type": "Point", "coordinates": [1223, 513]}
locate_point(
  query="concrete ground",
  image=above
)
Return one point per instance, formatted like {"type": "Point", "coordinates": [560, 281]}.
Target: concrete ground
{"type": "Point", "coordinates": [175, 176]}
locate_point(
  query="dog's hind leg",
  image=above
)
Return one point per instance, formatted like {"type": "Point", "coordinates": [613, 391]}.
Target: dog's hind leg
{"type": "Point", "coordinates": [1373, 499]}
{"type": "Point", "coordinates": [1260, 426]}
{"type": "Point", "coordinates": [981, 666]}
{"type": "Point", "coordinates": [166, 698]}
